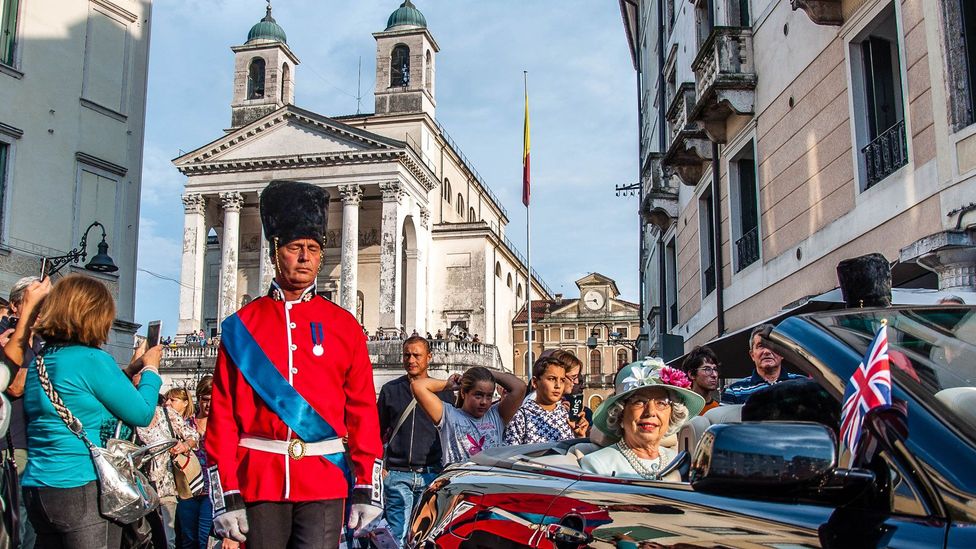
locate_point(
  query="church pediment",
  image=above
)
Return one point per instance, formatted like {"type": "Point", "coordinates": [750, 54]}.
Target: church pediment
{"type": "Point", "coordinates": [597, 279]}
{"type": "Point", "coordinates": [289, 132]}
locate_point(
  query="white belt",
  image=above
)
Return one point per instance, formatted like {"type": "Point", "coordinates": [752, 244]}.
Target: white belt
{"type": "Point", "coordinates": [295, 448]}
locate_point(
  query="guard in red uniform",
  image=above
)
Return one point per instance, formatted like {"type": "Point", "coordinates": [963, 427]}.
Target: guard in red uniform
{"type": "Point", "coordinates": [292, 379]}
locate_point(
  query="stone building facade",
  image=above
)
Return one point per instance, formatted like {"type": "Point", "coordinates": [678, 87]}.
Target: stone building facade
{"type": "Point", "coordinates": [416, 239]}
{"type": "Point", "coordinates": [72, 121]}
{"type": "Point", "coordinates": [780, 137]}
{"type": "Point", "coordinates": [598, 327]}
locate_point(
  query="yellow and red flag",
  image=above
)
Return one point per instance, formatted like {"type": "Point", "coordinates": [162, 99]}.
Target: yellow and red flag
{"type": "Point", "coordinates": [525, 155]}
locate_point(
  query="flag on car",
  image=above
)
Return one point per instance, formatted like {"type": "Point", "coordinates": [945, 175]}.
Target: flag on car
{"type": "Point", "coordinates": [869, 388]}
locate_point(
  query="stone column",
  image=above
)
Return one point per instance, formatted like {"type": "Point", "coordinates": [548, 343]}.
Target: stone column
{"type": "Point", "coordinates": [390, 256]}
{"type": "Point", "coordinates": [191, 271]}
{"type": "Point", "coordinates": [266, 268]}
{"type": "Point", "coordinates": [227, 303]}
{"type": "Point", "coordinates": [348, 284]}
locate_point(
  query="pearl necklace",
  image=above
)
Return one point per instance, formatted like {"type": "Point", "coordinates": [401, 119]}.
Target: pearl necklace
{"type": "Point", "coordinates": [652, 473]}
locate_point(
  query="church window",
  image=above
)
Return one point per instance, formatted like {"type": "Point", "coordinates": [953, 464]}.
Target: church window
{"type": "Point", "coordinates": [285, 82]}
{"type": "Point", "coordinates": [508, 281]}
{"type": "Point", "coordinates": [8, 30]}
{"type": "Point", "coordinates": [621, 358]}
{"type": "Point", "coordinates": [498, 270]}
{"type": "Point", "coordinates": [472, 216]}
{"type": "Point", "coordinates": [460, 206]}
{"type": "Point", "coordinates": [255, 79]}
{"type": "Point", "coordinates": [429, 73]}
{"type": "Point", "coordinates": [596, 363]}
{"type": "Point", "coordinates": [400, 66]}
{"type": "Point", "coordinates": [446, 191]}
{"type": "Point", "coordinates": [518, 292]}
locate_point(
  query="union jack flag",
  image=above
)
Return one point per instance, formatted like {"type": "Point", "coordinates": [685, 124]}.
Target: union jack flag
{"type": "Point", "coordinates": [869, 388]}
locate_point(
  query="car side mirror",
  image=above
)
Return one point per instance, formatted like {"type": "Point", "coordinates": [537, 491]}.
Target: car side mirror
{"type": "Point", "coordinates": [763, 460]}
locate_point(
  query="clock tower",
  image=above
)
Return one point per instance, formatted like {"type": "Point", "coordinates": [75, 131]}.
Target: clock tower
{"type": "Point", "coordinates": [596, 293]}
{"type": "Point", "coordinates": [405, 56]}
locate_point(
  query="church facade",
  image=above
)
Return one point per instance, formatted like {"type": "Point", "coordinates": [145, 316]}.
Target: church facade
{"type": "Point", "coordinates": [415, 238]}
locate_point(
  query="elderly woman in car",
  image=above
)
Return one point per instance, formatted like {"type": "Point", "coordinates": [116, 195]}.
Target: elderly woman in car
{"type": "Point", "coordinates": [651, 402]}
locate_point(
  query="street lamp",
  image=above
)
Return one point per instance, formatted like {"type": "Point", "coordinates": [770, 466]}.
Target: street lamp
{"type": "Point", "coordinates": [101, 263]}
{"type": "Point", "coordinates": [613, 338]}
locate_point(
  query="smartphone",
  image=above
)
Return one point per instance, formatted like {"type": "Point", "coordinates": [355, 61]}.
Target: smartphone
{"type": "Point", "coordinates": [154, 333]}
{"type": "Point", "coordinates": [381, 538]}
{"type": "Point", "coordinates": [575, 404]}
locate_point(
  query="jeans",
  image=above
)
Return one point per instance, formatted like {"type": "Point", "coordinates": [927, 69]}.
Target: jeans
{"type": "Point", "coordinates": [26, 530]}
{"type": "Point", "coordinates": [67, 518]}
{"type": "Point", "coordinates": [403, 491]}
{"type": "Point", "coordinates": [196, 519]}
{"type": "Point", "coordinates": [167, 510]}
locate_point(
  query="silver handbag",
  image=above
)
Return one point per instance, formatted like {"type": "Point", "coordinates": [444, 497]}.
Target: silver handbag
{"type": "Point", "coordinates": [124, 492]}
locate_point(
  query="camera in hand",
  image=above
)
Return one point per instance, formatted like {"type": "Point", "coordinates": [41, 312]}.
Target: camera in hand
{"type": "Point", "coordinates": [575, 404]}
{"type": "Point", "coordinates": [8, 322]}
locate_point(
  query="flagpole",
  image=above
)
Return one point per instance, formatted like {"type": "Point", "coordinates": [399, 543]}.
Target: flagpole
{"type": "Point", "coordinates": [528, 224]}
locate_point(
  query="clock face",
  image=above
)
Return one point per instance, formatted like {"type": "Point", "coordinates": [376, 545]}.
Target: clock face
{"type": "Point", "coordinates": [593, 300]}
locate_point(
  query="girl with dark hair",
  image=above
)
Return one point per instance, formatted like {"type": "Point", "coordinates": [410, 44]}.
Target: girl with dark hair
{"type": "Point", "coordinates": [475, 423]}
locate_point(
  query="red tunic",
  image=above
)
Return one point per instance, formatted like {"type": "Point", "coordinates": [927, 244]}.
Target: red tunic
{"type": "Point", "coordinates": [338, 384]}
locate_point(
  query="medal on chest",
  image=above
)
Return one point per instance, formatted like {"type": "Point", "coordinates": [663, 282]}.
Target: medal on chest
{"type": "Point", "coordinates": [318, 338]}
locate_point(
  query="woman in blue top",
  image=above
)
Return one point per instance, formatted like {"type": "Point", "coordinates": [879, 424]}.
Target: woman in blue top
{"type": "Point", "coordinates": [60, 486]}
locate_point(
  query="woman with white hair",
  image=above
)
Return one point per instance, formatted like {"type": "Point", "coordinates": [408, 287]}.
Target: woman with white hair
{"type": "Point", "coordinates": [652, 401]}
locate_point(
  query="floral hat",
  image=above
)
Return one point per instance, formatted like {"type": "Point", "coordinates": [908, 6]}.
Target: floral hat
{"type": "Point", "coordinates": [650, 372]}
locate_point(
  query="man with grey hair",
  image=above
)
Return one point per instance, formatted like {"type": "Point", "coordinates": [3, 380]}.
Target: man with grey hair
{"type": "Point", "coordinates": [20, 347]}
{"type": "Point", "coordinates": [769, 369]}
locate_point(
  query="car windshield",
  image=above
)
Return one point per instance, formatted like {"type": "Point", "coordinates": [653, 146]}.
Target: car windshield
{"type": "Point", "coordinates": [932, 354]}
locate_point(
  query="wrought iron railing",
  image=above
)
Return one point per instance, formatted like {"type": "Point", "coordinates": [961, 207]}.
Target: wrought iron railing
{"type": "Point", "coordinates": [747, 249]}
{"type": "Point", "coordinates": [885, 154]}
{"type": "Point", "coordinates": [470, 166]}
{"type": "Point", "coordinates": [710, 279]}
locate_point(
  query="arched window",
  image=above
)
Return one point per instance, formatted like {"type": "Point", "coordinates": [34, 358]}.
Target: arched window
{"type": "Point", "coordinates": [446, 191]}
{"type": "Point", "coordinates": [621, 359]}
{"type": "Point", "coordinates": [429, 73]}
{"type": "Point", "coordinates": [508, 282]}
{"type": "Point", "coordinates": [472, 216]}
{"type": "Point", "coordinates": [460, 206]}
{"type": "Point", "coordinates": [498, 269]}
{"type": "Point", "coordinates": [596, 363]}
{"type": "Point", "coordinates": [285, 82]}
{"type": "Point", "coordinates": [255, 79]}
{"type": "Point", "coordinates": [518, 292]}
{"type": "Point", "coordinates": [400, 66]}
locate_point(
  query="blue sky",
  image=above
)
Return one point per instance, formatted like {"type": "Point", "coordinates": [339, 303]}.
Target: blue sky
{"type": "Point", "coordinates": [582, 93]}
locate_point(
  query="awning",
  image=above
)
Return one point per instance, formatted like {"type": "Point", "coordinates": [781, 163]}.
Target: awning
{"type": "Point", "coordinates": [733, 348]}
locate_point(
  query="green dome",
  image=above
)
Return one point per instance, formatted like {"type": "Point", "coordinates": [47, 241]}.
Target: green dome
{"type": "Point", "coordinates": [267, 29]}
{"type": "Point", "coordinates": [406, 15]}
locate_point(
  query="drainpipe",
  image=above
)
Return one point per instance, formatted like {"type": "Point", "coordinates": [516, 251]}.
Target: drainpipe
{"type": "Point", "coordinates": [662, 146]}
{"type": "Point", "coordinates": [717, 239]}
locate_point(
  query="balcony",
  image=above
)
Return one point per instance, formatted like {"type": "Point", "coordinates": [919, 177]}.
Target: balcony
{"type": "Point", "coordinates": [184, 365]}
{"type": "Point", "coordinates": [598, 381]}
{"type": "Point", "coordinates": [747, 249]}
{"type": "Point", "coordinates": [885, 154]}
{"type": "Point", "coordinates": [821, 12]}
{"type": "Point", "coordinates": [689, 152]}
{"type": "Point", "coordinates": [725, 79]}
{"type": "Point", "coordinates": [659, 206]}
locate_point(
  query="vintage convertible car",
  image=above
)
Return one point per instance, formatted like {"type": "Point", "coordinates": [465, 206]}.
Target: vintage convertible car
{"type": "Point", "coordinates": [760, 483]}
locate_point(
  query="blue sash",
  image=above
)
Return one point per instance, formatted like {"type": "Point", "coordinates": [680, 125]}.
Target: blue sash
{"type": "Point", "coordinates": [275, 390]}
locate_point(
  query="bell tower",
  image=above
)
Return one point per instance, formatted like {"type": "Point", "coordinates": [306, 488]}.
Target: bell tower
{"type": "Point", "coordinates": [405, 60]}
{"type": "Point", "coordinates": [264, 72]}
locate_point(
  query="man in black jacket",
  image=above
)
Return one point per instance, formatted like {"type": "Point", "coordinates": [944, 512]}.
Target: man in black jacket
{"type": "Point", "coordinates": [413, 449]}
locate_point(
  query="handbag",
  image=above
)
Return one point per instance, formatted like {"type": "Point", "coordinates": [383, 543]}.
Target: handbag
{"type": "Point", "coordinates": [124, 493]}
{"type": "Point", "coordinates": [403, 417]}
{"type": "Point", "coordinates": [187, 473]}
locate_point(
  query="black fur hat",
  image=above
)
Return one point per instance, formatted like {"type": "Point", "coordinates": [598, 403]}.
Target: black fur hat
{"type": "Point", "coordinates": [865, 281]}
{"type": "Point", "coordinates": [291, 210]}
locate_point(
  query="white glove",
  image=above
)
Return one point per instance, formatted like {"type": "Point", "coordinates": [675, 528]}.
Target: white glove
{"type": "Point", "coordinates": [361, 515]}
{"type": "Point", "coordinates": [232, 525]}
